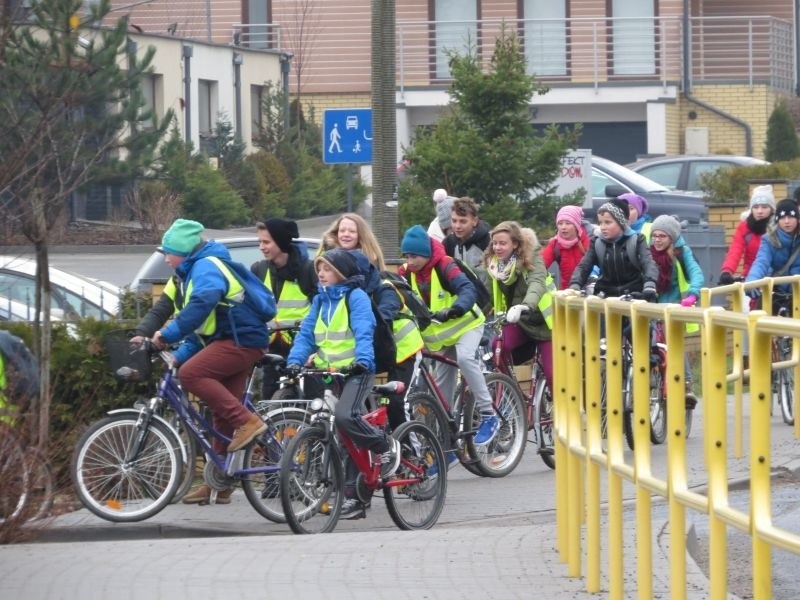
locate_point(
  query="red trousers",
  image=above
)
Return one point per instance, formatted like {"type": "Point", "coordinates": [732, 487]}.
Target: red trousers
{"type": "Point", "coordinates": [217, 375]}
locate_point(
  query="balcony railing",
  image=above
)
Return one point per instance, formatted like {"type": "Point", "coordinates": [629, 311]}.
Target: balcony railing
{"type": "Point", "coordinates": [576, 51]}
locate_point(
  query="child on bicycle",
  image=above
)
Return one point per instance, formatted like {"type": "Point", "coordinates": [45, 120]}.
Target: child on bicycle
{"type": "Point", "coordinates": [779, 252]}
{"type": "Point", "coordinates": [516, 276]}
{"type": "Point", "coordinates": [622, 256]}
{"type": "Point", "coordinates": [679, 276]}
{"type": "Point", "coordinates": [458, 322]}
{"type": "Point", "coordinates": [567, 247]}
{"type": "Point", "coordinates": [290, 274]}
{"type": "Point", "coordinates": [638, 218]}
{"type": "Point", "coordinates": [469, 236]}
{"type": "Point", "coordinates": [221, 339]}
{"type": "Point", "coordinates": [338, 331]}
{"type": "Point", "coordinates": [747, 237]}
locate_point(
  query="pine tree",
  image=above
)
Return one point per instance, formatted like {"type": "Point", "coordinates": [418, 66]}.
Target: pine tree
{"type": "Point", "coordinates": [486, 146]}
{"type": "Point", "coordinates": [71, 111]}
{"type": "Point", "coordinates": [782, 142]}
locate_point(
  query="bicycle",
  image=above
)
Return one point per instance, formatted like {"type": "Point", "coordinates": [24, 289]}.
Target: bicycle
{"type": "Point", "coordinates": [312, 470]}
{"type": "Point", "coordinates": [456, 424]}
{"type": "Point", "coordinates": [128, 465]}
{"type": "Point", "coordinates": [26, 480]}
{"type": "Point", "coordinates": [783, 379]}
{"type": "Point", "coordinates": [539, 397]}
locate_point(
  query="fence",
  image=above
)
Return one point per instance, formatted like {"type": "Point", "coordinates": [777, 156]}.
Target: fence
{"type": "Point", "coordinates": [584, 454]}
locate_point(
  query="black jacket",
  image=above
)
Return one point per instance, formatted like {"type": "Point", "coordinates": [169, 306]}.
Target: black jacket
{"type": "Point", "coordinates": [298, 268]}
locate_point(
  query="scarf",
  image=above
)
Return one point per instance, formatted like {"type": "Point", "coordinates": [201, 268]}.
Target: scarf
{"type": "Point", "coordinates": [504, 271]}
{"type": "Point", "coordinates": [565, 244]}
{"type": "Point", "coordinates": [665, 264]}
{"type": "Point", "coordinates": [757, 227]}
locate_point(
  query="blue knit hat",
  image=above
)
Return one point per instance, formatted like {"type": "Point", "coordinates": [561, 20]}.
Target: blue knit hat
{"type": "Point", "coordinates": [182, 237]}
{"type": "Point", "coordinates": [416, 241]}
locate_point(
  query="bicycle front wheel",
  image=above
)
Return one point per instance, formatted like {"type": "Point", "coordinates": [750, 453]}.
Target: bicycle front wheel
{"type": "Point", "coordinates": [543, 421]}
{"type": "Point", "coordinates": [786, 383]}
{"type": "Point", "coordinates": [312, 482]}
{"type": "Point", "coordinates": [627, 406]}
{"type": "Point", "coordinates": [658, 406]}
{"type": "Point", "coordinates": [123, 472]}
{"type": "Point", "coordinates": [502, 454]}
{"type": "Point", "coordinates": [14, 477]}
{"type": "Point", "coordinates": [415, 495]}
{"type": "Point", "coordinates": [263, 489]}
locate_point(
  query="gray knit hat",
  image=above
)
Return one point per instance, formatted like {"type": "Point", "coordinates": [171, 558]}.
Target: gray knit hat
{"type": "Point", "coordinates": [669, 225]}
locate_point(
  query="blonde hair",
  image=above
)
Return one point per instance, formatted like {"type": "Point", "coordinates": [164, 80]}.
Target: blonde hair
{"type": "Point", "coordinates": [367, 242]}
{"type": "Point", "coordinates": [525, 239]}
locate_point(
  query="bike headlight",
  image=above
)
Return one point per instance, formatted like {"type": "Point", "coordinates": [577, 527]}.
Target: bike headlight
{"type": "Point", "coordinates": [317, 404]}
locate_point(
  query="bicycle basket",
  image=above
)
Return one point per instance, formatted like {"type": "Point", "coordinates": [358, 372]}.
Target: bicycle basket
{"type": "Point", "coordinates": [127, 363]}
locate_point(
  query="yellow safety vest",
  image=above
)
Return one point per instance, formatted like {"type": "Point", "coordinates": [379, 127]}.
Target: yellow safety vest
{"type": "Point", "coordinates": [5, 416]}
{"type": "Point", "coordinates": [407, 336]}
{"type": "Point", "coordinates": [683, 286]}
{"type": "Point", "coordinates": [235, 294]}
{"type": "Point", "coordinates": [293, 306]}
{"type": "Point", "coordinates": [438, 335]}
{"type": "Point", "coordinates": [647, 229]}
{"type": "Point", "coordinates": [336, 344]}
{"type": "Point", "coordinates": [545, 304]}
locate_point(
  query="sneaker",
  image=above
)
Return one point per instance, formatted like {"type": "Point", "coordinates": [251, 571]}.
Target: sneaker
{"type": "Point", "coordinates": [488, 428]}
{"type": "Point", "coordinates": [451, 458]}
{"type": "Point", "coordinates": [390, 459]}
{"type": "Point", "coordinates": [247, 433]}
{"type": "Point", "coordinates": [353, 508]}
{"type": "Point", "coordinates": [202, 495]}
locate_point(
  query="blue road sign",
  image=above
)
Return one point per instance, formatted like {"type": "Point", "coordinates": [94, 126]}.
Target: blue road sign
{"type": "Point", "coordinates": [347, 135]}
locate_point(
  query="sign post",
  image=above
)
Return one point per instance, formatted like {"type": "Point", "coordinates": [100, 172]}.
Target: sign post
{"type": "Point", "coordinates": [347, 139]}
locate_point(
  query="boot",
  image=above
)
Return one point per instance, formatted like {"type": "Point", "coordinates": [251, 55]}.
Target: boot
{"type": "Point", "coordinates": [691, 399]}
{"type": "Point", "coordinates": [247, 433]}
{"type": "Point", "coordinates": [202, 495]}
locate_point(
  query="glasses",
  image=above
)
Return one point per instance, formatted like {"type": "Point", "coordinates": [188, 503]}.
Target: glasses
{"type": "Point", "coordinates": [659, 236]}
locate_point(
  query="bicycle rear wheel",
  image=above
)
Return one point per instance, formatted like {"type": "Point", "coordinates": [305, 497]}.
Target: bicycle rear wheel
{"type": "Point", "coordinates": [263, 489]}
{"type": "Point", "coordinates": [122, 488]}
{"type": "Point", "coordinates": [418, 502]}
{"type": "Point", "coordinates": [543, 421]}
{"type": "Point", "coordinates": [786, 383]}
{"type": "Point", "coordinates": [501, 455]}
{"type": "Point", "coordinates": [312, 482]}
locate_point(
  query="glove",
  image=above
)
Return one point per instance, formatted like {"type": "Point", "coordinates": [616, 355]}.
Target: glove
{"type": "Point", "coordinates": [291, 371]}
{"type": "Point", "coordinates": [649, 292]}
{"type": "Point", "coordinates": [690, 300]}
{"type": "Point", "coordinates": [725, 278]}
{"type": "Point", "coordinates": [515, 312]}
{"type": "Point", "coordinates": [355, 368]}
{"type": "Point", "coordinates": [448, 313]}
{"type": "Point", "coordinates": [754, 293]}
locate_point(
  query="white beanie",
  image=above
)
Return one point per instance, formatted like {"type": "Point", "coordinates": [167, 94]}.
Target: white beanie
{"type": "Point", "coordinates": [762, 195]}
{"type": "Point", "coordinates": [439, 195]}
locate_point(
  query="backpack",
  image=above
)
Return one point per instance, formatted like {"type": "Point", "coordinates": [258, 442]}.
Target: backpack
{"type": "Point", "coordinates": [21, 368]}
{"type": "Point", "coordinates": [630, 248]}
{"type": "Point", "coordinates": [482, 296]}
{"type": "Point", "coordinates": [383, 343]}
{"type": "Point", "coordinates": [411, 299]}
{"type": "Point", "coordinates": [257, 296]}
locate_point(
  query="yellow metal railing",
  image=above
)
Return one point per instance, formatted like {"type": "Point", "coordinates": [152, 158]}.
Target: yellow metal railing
{"type": "Point", "coordinates": [584, 452]}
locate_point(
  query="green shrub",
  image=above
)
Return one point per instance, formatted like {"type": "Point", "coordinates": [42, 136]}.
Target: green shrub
{"type": "Point", "coordinates": [782, 143]}
{"type": "Point", "coordinates": [730, 183]}
{"type": "Point", "coordinates": [210, 199]}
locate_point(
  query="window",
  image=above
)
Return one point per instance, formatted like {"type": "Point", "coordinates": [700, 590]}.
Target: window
{"type": "Point", "coordinates": [667, 175]}
{"type": "Point", "coordinates": [545, 37]}
{"type": "Point", "coordinates": [259, 19]}
{"type": "Point", "coordinates": [256, 119]}
{"type": "Point", "coordinates": [633, 42]}
{"type": "Point", "coordinates": [151, 87]}
{"type": "Point", "coordinates": [456, 30]}
{"type": "Point", "coordinates": [206, 105]}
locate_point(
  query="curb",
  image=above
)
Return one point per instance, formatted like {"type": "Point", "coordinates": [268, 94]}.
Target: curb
{"type": "Point", "coordinates": [83, 249]}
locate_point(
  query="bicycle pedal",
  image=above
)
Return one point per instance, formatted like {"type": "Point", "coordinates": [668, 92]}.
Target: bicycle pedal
{"type": "Point", "coordinates": [546, 451]}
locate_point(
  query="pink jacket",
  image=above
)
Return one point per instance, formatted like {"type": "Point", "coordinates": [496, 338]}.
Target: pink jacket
{"type": "Point", "coordinates": [745, 244]}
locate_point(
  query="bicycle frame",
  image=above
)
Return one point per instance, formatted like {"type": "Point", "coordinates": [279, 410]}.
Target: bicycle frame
{"type": "Point", "coordinates": [424, 371]}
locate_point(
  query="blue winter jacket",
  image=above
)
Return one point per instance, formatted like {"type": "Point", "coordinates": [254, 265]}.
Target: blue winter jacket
{"type": "Point", "coordinates": [362, 322]}
{"type": "Point", "coordinates": [209, 287]}
{"type": "Point", "coordinates": [691, 271]}
{"type": "Point", "coordinates": [775, 250]}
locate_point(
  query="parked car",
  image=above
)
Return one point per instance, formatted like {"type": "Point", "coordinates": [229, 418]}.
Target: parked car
{"type": "Point", "coordinates": [74, 296]}
{"type": "Point", "coordinates": [682, 172]}
{"type": "Point", "coordinates": [610, 180]}
{"type": "Point", "coordinates": [245, 250]}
